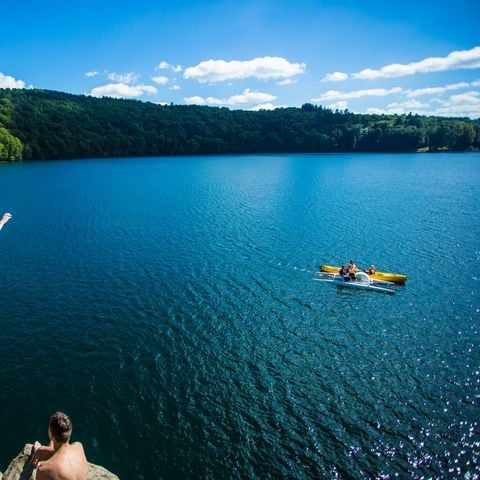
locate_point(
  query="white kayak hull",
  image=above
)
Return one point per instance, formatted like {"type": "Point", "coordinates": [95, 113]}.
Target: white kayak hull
{"type": "Point", "coordinates": [335, 276]}
{"type": "Point", "coordinates": [362, 286]}
{"type": "Point", "coordinates": [340, 282]}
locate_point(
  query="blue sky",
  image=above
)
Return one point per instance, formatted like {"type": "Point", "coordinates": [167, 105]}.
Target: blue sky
{"type": "Point", "coordinates": [366, 56]}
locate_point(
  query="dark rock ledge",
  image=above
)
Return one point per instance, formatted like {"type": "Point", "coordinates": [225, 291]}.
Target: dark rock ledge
{"type": "Point", "coordinates": [21, 469]}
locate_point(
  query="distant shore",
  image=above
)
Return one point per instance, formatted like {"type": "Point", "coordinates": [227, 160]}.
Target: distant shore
{"type": "Point", "coordinates": [48, 125]}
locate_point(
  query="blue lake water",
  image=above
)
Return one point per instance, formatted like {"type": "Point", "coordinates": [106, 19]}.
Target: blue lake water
{"type": "Point", "coordinates": [169, 306]}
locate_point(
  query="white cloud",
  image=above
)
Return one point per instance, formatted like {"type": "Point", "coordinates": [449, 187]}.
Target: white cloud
{"type": "Point", "coordinates": [263, 68]}
{"type": "Point", "coordinates": [248, 97]}
{"type": "Point", "coordinates": [396, 109]}
{"type": "Point", "coordinates": [91, 74]}
{"type": "Point", "coordinates": [266, 106]}
{"type": "Point", "coordinates": [419, 92]}
{"type": "Point", "coordinates": [471, 98]}
{"type": "Point", "coordinates": [454, 109]}
{"type": "Point", "coordinates": [378, 111]}
{"type": "Point", "coordinates": [166, 66]}
{"type": "Point", "coordinates": [122, 90]}
{"type": "Point", "coordinates": [453, 61]}
{"type": "Point", "coordinates": [409, 104]}
{"type": "Point", "coordinates": [463, 105]}
{"type": "Point", "coordinates": [6, 81]}
{"type": "Point", "coordinates": [127, 78]}
{"type": "Point", "coordinates": [161, 80]}
{"type": "Point", "coordinates": [400, 108]}
{"type": "Point", "coordinates": [196, 100]}
{"type": "Point", "coordinates": [340, 105]}
{"type": "Point", "coordinates": [475, 83]}
{"type": "Point", "coordinates": [371, 92]}
{"type": "Point", "coordinates": [263, 106]}
{"type": "Point", "coordinates": [287, 81]}
{"type": "Point", "coordinates": [335, 77]}
{"type": "Point", "coordinates": [175, 87]}
{"type": "Point", "coordinates": [162, 66]}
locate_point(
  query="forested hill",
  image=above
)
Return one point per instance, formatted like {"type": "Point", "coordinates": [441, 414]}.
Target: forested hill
{"type": "Point", "coordinates": [42, 124]}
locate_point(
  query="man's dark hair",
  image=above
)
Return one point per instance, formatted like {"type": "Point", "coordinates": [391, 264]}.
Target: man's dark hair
{"type": "Point", "coordinates": [60, 427]}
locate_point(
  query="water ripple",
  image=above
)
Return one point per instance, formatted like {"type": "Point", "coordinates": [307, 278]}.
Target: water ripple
{"type": "Point", "coordinates": [170, 308]}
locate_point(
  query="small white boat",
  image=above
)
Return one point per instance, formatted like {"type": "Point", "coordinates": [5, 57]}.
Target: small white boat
{"type": "Point", "coordinates": [361, 281]}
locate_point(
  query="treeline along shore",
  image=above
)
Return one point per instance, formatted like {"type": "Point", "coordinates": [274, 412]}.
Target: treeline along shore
{"type": "Point", "coordinates": [42, 124]}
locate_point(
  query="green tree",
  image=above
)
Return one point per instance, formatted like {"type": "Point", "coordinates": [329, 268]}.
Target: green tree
{"type": "Point", "coordinates": [11, 147]}
{"type": "Point", "coordinates": [50, 125]}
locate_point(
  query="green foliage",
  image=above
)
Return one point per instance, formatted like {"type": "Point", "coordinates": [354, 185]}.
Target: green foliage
{"type": "Point", "coordinates": [41, 124]}
{"type": "Point", "coordinates": [11, 147]}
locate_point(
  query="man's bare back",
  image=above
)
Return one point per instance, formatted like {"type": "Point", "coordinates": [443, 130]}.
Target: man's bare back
{"type": "Point", "coordinates": [67, 463]}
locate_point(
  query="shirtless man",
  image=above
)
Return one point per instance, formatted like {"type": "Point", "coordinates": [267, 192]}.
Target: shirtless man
{"type": "Point", "coordinates": [60, 460]}
{"type": "Point", "coordinates": [6, 217]}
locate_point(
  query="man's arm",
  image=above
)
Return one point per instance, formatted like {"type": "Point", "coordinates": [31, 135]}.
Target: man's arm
{"type": "Point", "coordinates": [41, 453]}
{"type": "Point", "coordinates": [6, 217]}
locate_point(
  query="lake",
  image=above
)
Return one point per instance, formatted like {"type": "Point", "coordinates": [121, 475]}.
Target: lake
{"type": "Point", "coordinates": [168, 305]}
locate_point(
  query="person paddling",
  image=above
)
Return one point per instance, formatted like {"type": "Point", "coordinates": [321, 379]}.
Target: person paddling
{"type": "Point", "coordinates": [343, 272]}
{"type": "Point", "coordinates": [352, 268]}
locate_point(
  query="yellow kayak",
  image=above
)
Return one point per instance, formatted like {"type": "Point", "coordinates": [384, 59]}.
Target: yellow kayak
{"type": "Point", "coordinates": [388, 277]}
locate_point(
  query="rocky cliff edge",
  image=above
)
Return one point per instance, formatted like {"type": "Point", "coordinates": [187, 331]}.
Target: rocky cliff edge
{"type": "Point", "coordinates": [21, 469]}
